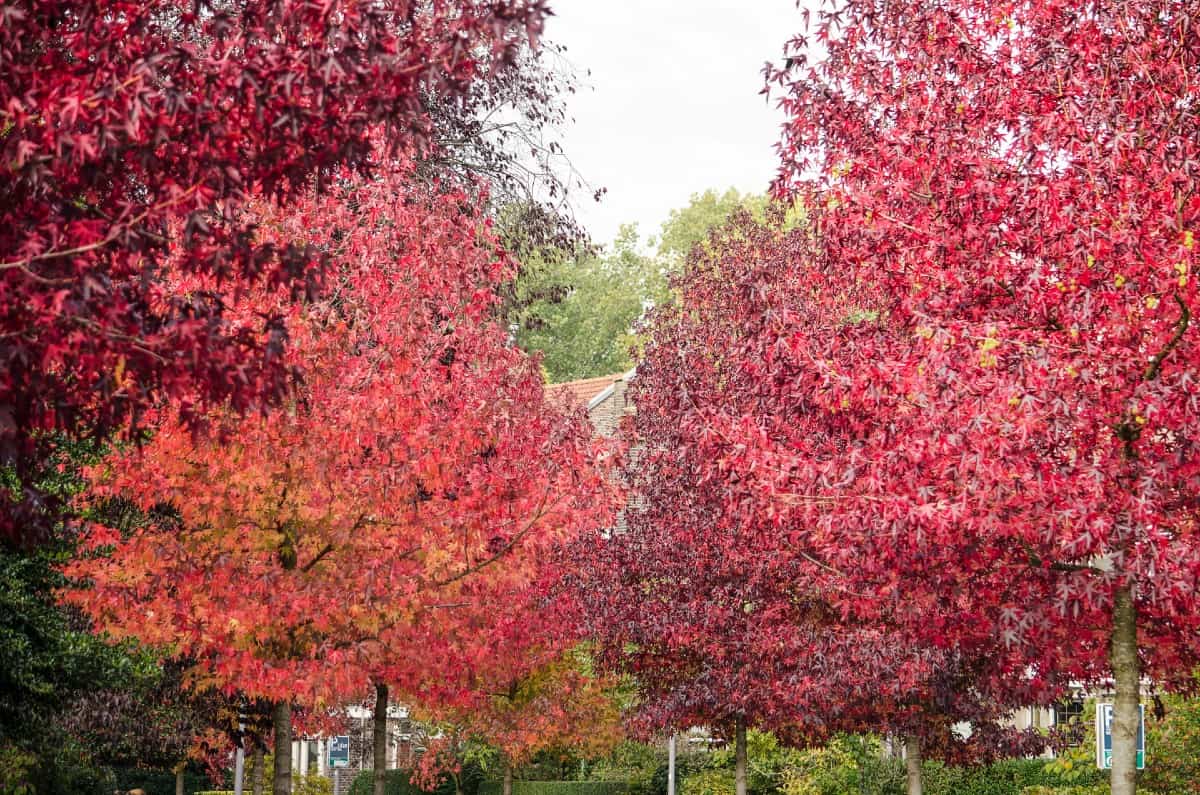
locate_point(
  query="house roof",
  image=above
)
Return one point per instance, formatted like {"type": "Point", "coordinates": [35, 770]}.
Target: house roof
{"type": "Point", "coordinates": [584, 390]}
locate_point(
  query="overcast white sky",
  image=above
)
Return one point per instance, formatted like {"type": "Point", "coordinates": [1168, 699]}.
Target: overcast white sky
{"type": "Point", "coordinates": [672, 105]}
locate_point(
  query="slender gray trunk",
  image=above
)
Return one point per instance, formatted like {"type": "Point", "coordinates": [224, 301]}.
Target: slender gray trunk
{"type": "Point", "coordinates": [1126, 677]}
{"type": "Point", "coordinates": [179, 778]}
{"type": "Point", "coordinates": [739, 756]}
{"type": "Point", "coordinates": [508, 778]}
{"type": "Point", "coordinates": [912, 765]}
{"type": "Point", "coordinates": [379, 752]}
{"type": "Point", "coordinates": [282, 784]}
{"type": "Point", "coordinates": [671, 765]}
{"type": "Point", "coordinates": [256, 777]}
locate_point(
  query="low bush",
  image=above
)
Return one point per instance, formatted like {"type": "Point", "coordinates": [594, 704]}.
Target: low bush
{"type": "Point", "coordinates": [396, 782]}
{"type": "Point", "coordinates": [1173, 747]}
{"type": "Point", "coordinates": [708, 782]}
{"type": "Point", "coordinates": [856, 765]}
{"type": "Point", "coordinates": [158, 782]}
{"type": "Point", "coordinates": [557, 788]}
{"type": "Point", "coordinates": [312, 785]}
{"type": "Point", "coordinates": [637, 764]}
{"type": "Point", "coordinates": [847, 764]}
{"type": "Point", "coordinates": [1006, 777]}
{"type": "Point", "coordinates": [399, 782]}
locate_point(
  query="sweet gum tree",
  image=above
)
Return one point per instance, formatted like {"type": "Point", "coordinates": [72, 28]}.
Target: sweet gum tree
{"type": "Point", "coordinates": [132, 136]}
{"type": "Point", "coordinates": [416, 471]}
{"type": "Point", "coordinates": [731, 603]}
{"type": "Point", "coordinates": [1010, 192]}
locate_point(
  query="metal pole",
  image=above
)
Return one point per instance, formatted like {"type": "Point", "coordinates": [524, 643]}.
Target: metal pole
{"type": "Point", "coordinates": [239, 758]}
{"type": "Point", "coordinates": [671, 765]}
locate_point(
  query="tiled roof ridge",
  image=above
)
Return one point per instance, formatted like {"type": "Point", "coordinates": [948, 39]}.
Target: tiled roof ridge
{"type": "Point", "coordinates": [584, 389]}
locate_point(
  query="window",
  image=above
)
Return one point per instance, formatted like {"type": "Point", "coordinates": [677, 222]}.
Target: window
{"type": "Point", "coordinates": [1067, 714]}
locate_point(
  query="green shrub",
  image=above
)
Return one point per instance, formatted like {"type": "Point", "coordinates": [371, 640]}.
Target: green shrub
{"type": "Point", "coordinates": [1173, 747]}
{"type": "Point", "coordinates": [14, 771]}
{"type": "Point", "coordinates": [558, 788]}
{"type": "Point", "coordinates": [311, 785]}
{"type": "Point", "coordinates": [715, 781]}
{"type": "Point", "coordinates": [396, 782]}
{"type": "Point", "coordinates": [846, 764]}
{"type": "Point", "coordinates": [842, 767]}
{"type": "Point", "coordinates": [768, 765]}
{"type": "Point", "coordinates": [301, 785]}
{"type": "Point", "coordinates": [1007, 777]}
{"type": "Point", "coordinates": [637, 764]}
{"type": "Point", "coordinates": [157, 782]}
{"type": "Point", "coordinates": [1013, 777]}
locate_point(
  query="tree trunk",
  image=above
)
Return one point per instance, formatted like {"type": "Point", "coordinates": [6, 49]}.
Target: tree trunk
{"type": "Point", "coordinates": [283, 749]}
{"type": "Point", "coordinates": [1126, 677]}
{"type": "Point", "coordinates": [379, 752]}
{"type": "Point", "coordinates": [912, 764]}
{"type": "Point", "coordinates": [739, 755]}
{"type": "Point", "coordinates": [257, 777]}
{"type": "Point", "coordinates": [179, 778]}
{"type": "Point", "coordinates": [508, 778]}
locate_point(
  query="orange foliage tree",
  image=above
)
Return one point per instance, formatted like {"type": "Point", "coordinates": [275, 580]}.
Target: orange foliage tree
{"type": "Point", "coordinates": [417, 470]}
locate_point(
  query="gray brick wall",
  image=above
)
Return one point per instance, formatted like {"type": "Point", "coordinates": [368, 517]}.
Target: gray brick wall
{"type": "Point", "coordinates": [606, 415]}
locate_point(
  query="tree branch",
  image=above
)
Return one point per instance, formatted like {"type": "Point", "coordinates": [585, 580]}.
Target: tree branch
{"type": "Point", "coordinates": [1185, 318]}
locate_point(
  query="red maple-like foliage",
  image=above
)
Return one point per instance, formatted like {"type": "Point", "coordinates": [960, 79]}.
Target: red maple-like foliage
{"type": "Point", "coordinates": [1006, 200]}
{"type": "Point", "coordinates": [724, 596]}
{"type": "Point", "coordinates": [417, 476]}
{"type": "Point", "coordinates": [132, 135]}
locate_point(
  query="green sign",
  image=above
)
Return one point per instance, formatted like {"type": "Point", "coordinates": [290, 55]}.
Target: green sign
{"type": "Point", "coordinates": [339, 751]}
{"type": "Point", "coordinates": [1104, 742]}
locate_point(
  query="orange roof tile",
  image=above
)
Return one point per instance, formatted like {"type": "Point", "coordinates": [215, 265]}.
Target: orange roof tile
{"type": "Point", "coordinates": [584, 390]}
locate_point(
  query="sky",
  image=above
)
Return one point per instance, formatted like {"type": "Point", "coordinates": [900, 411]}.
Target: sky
{"type": "Point", "coordinates": [672, 105]}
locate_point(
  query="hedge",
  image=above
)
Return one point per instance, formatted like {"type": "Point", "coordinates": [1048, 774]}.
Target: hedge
{"type": "Point", "coordinates": [885, 776]}
{"type": "Point", "coordinates": [398, 782]}
{"type": "Point", "coordinates": [158, 782]}
{"type": "Point", "coordinates": [1006, 777]}
{"type": "Point", "coordinates": [557, 788]}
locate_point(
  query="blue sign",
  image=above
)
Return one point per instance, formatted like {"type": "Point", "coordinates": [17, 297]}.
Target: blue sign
{"type": "Point", "coordinates": [1104, 719]}
{"type": "Point", "coordinates": [339, 751]}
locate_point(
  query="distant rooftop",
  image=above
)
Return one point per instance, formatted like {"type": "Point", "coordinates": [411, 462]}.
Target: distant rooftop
{"type": "Point", "coordinates": [584, 390]}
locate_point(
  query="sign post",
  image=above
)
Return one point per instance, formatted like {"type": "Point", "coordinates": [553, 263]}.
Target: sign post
{"type": "Point", "coordinates": [339, 751]}
{"type": "Point", "coordinates": [239, 757]}
{"type": "Point", "coordinates": [1104, 718]}
{"type": "Point", "coordinates": [671, 765]}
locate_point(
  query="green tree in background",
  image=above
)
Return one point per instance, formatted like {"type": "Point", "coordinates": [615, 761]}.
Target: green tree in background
{"type": "Point", "coordinates": [690, 225]}
{"type": "Point", "coordinates": [581, 313]}
{"type": "Point", "coordinates": [588, 330]}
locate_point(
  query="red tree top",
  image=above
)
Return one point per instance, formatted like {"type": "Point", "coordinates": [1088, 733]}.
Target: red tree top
{"type": "Point", "coordinates": [1012, 192]}
{"type": "Point", "coordinates": [133, 133]}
